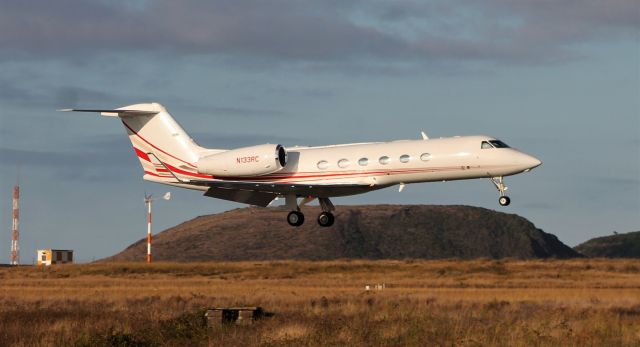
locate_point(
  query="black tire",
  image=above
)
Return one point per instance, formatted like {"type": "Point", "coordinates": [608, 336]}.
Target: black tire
{"type": "Point", "coordinates": [295, 218]}
{"type": "Point", "coordinates": [326, 219]}
{"type": "Point", "coordinates": [504, 201]}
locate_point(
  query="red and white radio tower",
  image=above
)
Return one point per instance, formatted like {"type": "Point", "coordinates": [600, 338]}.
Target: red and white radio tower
{"type": "Point", "coordinates": [148, 200]}
{"type": "Point", "coordinates": [15, 233]}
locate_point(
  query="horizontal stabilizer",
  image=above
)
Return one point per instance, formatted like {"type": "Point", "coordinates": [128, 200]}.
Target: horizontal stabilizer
{"type": "Point", "coordinates": [112, 113]}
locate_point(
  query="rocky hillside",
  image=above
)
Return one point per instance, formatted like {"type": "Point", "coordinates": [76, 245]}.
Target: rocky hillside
{"type": "Point", "coordinates": [613, 246]}
{"type": "Point", "coordinates": [371, 232]}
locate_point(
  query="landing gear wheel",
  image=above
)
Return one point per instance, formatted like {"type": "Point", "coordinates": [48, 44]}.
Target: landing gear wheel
{"type": "Point", "coordinates": [295, 218]}
{"type": "Point", "coordinates": [499, 183]}
{"type": "Point", "coordinates": [326, 219]}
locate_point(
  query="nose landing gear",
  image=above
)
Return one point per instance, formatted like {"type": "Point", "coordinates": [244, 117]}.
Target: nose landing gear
{"type": "Point", "coordinates": [504, 201]}
{"type": "Point", "coordinates": [499, 183]}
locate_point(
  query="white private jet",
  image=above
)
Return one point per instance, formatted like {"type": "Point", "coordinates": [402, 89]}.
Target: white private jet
{"type": "Point", "coordinates": [257, 175]}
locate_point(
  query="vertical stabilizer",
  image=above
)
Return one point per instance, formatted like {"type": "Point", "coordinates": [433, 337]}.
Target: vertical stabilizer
{"type": "Point", "coordinates": [155, 137]}
{"type": "Point", "coordinates": [167, 154]}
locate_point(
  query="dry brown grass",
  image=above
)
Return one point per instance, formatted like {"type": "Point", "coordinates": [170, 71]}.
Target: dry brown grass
{"type": "Point", "coordinates": [468, 303]}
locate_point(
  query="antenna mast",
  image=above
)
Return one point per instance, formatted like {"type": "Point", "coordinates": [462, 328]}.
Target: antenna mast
{"type": "Point", "coordinates": [15, 233]}
{"type": "Point", "coordinates": [148, 201]}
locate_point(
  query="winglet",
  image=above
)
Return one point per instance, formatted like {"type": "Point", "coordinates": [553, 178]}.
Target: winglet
{"type": "Point", "coordinates": [424, 136]}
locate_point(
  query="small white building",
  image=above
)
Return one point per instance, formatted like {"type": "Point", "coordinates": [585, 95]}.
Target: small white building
{"type": "Point", "coordinates": [54, 256]}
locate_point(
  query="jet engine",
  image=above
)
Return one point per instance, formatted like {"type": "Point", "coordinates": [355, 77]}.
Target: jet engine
{"type": "Point", "coordinates": [246, 161]}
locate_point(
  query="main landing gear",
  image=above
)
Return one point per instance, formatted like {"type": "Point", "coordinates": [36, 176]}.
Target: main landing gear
{"type": "Point", "coordinates": [499, 183]}
{"type": "Point", "coordinates": [326, 219]}
{"type": "Point", "coordinates": [295, 218]}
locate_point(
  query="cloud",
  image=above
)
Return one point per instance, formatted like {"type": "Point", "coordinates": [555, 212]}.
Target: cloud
{"type": "Point", "coordinates": [56, 97]}
{"type": "Point", "coordinates": [102, 158]}
{"type": "Point", "coordinates": [106, 157]}
{"type": "Point", "coordinates": [336, 33]}
{"type": "Point", "coordinates": [231, 141]}
{"type": "Point", "coordinates": [221, 111]}
{"type": "Point", "coordinates": [52, 97]}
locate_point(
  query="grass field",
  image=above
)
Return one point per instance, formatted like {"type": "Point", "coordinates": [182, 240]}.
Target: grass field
{"type": "Point", "coordinates": [425, 303]}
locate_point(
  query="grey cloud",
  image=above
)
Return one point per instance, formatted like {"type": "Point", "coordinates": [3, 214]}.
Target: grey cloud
{"type": "Point", "coordinates": [321, 32]}
{"type": "Point", "coordinates": [72, 96]}
{"type": "Point", "coordinates": [116, 145]}
{"type": "Point", "coordinates": [221, 111]}
{"type": "Point", "coordinates": [230, 141]}
{"type": "Point", "coordinates": [54, 97]}
{"type": "Point", "coordinates": [96, 162]}
{"type": "Point", "coordinates": [314, 93]}
{"type": "Point", "coordinates": [101, 156]}
{"type": "Point", "coordinates": [538, 205]}
{"type": "Point", "coordinates": [278, 29]}
{"type": "Point", "coordinates": [622, 183]}
{"type": "Point", "coordinates": [9, 92]}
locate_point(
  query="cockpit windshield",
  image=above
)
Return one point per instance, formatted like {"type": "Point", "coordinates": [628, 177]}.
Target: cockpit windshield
{"type": "Point", "coordinates": [498, 144]}
{"type": "Point", "coordinates": [493, 144]}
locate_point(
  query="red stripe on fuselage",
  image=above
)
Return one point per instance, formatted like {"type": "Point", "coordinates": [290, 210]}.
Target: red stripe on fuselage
{"type": "Point", "coordinates": [345, 174]}
{"type": "Point", "coordinates": [155, 174]}
{"type": "Point", "coordinates": [161, 168]}
{"type": "Point", "coordinates": [298, 179]}
{"type": "Point", "coordinates": [187, 173]}
{"type": "Point", "coordinates": [281, 178]}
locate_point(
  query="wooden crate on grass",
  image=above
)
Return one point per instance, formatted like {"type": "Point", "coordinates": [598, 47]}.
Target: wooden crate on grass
{"type": "Point", "coordinates": [234, 315]}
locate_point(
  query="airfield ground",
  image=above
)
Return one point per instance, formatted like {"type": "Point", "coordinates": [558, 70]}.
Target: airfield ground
{"type": "Point", "coordinates": [425, 303]}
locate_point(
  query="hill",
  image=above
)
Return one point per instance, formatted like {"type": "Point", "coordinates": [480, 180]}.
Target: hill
{"type": "Point", "coordinates": [613, 246]}
{"type": "Point", "coordinates": [362, 232]}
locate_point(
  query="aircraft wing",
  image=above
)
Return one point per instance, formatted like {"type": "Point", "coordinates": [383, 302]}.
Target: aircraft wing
{"type": "Point", "coordinates": [241, 195]}
{"type": "Point", "coordinates": [261, 193]}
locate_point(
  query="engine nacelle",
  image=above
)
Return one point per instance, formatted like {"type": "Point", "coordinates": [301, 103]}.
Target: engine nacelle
{"type": "Point", "coordinates": [246, 161]}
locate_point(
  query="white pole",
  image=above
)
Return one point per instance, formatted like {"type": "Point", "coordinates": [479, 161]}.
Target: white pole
{"type": "Point", "coordinates": [15, 233]}
{"type": "Point", "coordinates": [148, 201]}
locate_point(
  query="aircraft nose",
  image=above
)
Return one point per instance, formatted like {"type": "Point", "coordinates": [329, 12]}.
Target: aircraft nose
{"type": "Point", "coordinates": [530, 162]}
{"type": "Point", "coordinates": [536, 162]}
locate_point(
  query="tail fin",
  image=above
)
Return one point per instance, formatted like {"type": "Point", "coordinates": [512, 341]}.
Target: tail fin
{"type": "Point", "coordinates": [167, 154]}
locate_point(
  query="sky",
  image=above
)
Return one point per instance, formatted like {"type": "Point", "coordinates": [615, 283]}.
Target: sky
{"type": "Point", "coordinates": [558, 79]}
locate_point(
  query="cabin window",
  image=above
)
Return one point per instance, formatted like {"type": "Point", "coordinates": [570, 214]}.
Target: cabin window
{"type": "Point", "coordinates": [486, 145]}
{"type": "Point", "coordinates": [363, 161]}
{"type": "Point", "coordinates": [405, 158]}
{"type": "Point", "coordinates": [343, 163]}
{"type": "Point", "coordinates": [323, 164]}
{"type": "Point", "coordinates": [384, 160]}
{"type": "Point", "coordinates": [425, 157]}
